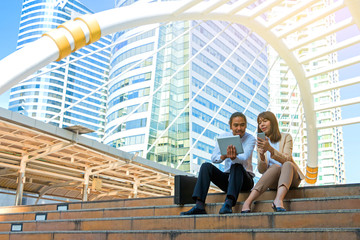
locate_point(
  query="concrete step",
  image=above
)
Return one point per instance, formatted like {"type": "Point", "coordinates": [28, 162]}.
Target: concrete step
{"type": "Point", "coordinates": [229, 234]}
{"type": "Point", "coordinates": [331, 203]}
{"type": "Point", "coordinates": [298, 193]}
{"type": "Point", "coordinates": [307, 204]}
{"type": "Point", "coordinates": [298, 219]}
{"type": "Point", "coordinates": [327, 212]}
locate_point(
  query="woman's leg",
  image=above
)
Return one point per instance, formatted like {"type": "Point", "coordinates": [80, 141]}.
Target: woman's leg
{"type": "Point", "coordinates": [254, 194]}
{"type": "Point", "coordinates": [288, 178]}
{"type": "Point", "coordinates": [268, 179]}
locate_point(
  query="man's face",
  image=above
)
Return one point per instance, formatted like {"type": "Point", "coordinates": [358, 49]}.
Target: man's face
{"type": "Point", "coordinates": [238, 126]}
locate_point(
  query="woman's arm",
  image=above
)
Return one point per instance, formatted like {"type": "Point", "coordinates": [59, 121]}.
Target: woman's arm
{"type": "Point", "coordinates": [286, 154]}
{"type": "Point", "coordinates": [262, 161]}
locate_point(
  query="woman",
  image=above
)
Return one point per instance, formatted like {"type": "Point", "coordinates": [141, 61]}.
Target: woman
{"type": "Point", "coordinates": [275, 162]}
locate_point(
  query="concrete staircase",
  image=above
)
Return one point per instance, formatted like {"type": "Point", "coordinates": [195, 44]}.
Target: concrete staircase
{"type": "Point", "coordinates": [329, 212]}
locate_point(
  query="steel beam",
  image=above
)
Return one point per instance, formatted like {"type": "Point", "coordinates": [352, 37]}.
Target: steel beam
{"type": "Point", "coordinates": [21, 180]}
{"type": "Point", "coordinates": [339, 123]}
{"type": "Point", "coordinates": [341, 103]}
{"type": "Point", "coordinates": [337, 85]}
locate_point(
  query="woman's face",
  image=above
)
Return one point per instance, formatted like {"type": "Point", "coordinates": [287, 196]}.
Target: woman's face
{"type": "Point", "coordinates": [265, 126]}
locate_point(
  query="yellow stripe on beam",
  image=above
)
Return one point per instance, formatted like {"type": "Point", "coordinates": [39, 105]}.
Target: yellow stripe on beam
{"type": "Point", "coordinates": [311, 174]}
{"type": "Point", "coordinates": [93, 26]}
{"type": "Point", "coordinates": [61, 42]}
{"type": "Point", "coordinates": [76, 32]}
{"type": "Point", "coordinates": [312, 169]}
{"type": "Point", "coordinates": [310, 181]}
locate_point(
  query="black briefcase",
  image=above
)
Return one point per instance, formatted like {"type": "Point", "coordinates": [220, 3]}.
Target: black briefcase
{"type": "Point", "coordinates": [184, 187]}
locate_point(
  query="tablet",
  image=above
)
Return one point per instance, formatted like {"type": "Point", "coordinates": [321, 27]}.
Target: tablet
{"type": "Point", "coordinates": [224, 142]}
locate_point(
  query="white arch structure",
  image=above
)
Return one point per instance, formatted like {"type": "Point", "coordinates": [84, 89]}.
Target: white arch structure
{"type": "Point", "coordinates": [74, 34]}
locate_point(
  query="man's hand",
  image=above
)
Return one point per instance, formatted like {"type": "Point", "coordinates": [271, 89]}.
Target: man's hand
{"type": "Point", "coordinates": [231, 152]}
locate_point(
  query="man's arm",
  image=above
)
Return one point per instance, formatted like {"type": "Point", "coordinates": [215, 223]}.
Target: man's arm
{"type": "Point", "coordinates": [216, 156]}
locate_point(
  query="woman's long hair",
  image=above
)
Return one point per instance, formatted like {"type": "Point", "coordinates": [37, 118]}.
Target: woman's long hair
{"type": "Point", "coordinates": [274, 135]}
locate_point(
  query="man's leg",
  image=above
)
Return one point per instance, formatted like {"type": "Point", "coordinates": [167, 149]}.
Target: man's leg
{"type": "Point", "coordinates": [238, 179]}
{"type": "Point", "coordinates": [208, 173]}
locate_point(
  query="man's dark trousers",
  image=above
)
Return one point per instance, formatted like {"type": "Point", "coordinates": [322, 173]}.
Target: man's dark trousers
{"type": "Point", "coordinates": [231, 183]}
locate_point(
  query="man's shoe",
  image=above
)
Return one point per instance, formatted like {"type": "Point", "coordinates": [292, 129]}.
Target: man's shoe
{"type": "Point", "coordinates": [194, 211]}
{"type": "Point", "coordinates": [225, 209]}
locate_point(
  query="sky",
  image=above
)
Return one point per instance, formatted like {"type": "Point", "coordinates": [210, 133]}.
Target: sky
{"type": "Point", "coordinates": [9, 25]}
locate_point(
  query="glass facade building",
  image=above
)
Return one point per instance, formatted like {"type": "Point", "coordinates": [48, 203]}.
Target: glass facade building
{"type": "Point", "coordinates": [285, 101]}
{"type": "Point", "coordinates": [49, 94]}
{"type": "Point", "coordinates": [171, 119]}
{"type": "Point", "coordinates": [286, 104]}
{"type": "Point", "coordinates": [156, 78]}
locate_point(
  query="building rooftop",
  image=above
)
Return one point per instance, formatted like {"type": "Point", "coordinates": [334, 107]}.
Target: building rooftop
{"type": "Point", "coordinates": [58, 162]}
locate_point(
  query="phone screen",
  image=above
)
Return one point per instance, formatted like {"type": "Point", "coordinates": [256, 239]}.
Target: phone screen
{"type": "Point", "coordinates": [261, 135]}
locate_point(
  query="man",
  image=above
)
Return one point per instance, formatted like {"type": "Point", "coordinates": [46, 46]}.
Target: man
{"type": "Point", "coordinates": [237, 173]}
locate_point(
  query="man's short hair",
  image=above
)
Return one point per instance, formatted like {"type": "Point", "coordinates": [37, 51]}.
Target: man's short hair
{"type": "Point", "coordinates": [237, 114]}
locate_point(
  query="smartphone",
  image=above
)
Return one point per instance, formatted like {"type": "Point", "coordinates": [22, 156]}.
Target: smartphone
{"type": "Point", "coordinates": [261, 135]}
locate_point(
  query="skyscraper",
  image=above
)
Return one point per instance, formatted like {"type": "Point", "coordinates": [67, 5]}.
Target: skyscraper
{"type": "Point", "coordinates": [173, 117]}
{"type": "Point", "coordinates": [286, 104]}
{"type": "Point", "coordinates": [47, 95]}
{"type": "Point", "coordinates": [285, 100]}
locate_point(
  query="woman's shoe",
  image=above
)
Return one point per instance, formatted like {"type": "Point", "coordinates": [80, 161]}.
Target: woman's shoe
{"type": "Point", "coordinates": [246, 211]}
{"type": "Point", "coordinates": [277, 209]}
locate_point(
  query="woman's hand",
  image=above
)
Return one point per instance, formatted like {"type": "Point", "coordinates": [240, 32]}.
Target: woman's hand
{"type": "Point", "coordinates": [261, 151]}
{"type": "Point", "coordinates": [263, 145]}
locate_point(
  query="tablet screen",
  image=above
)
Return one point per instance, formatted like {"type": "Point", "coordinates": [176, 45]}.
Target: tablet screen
{"type": "Point", "coordinates": [224, 142]}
